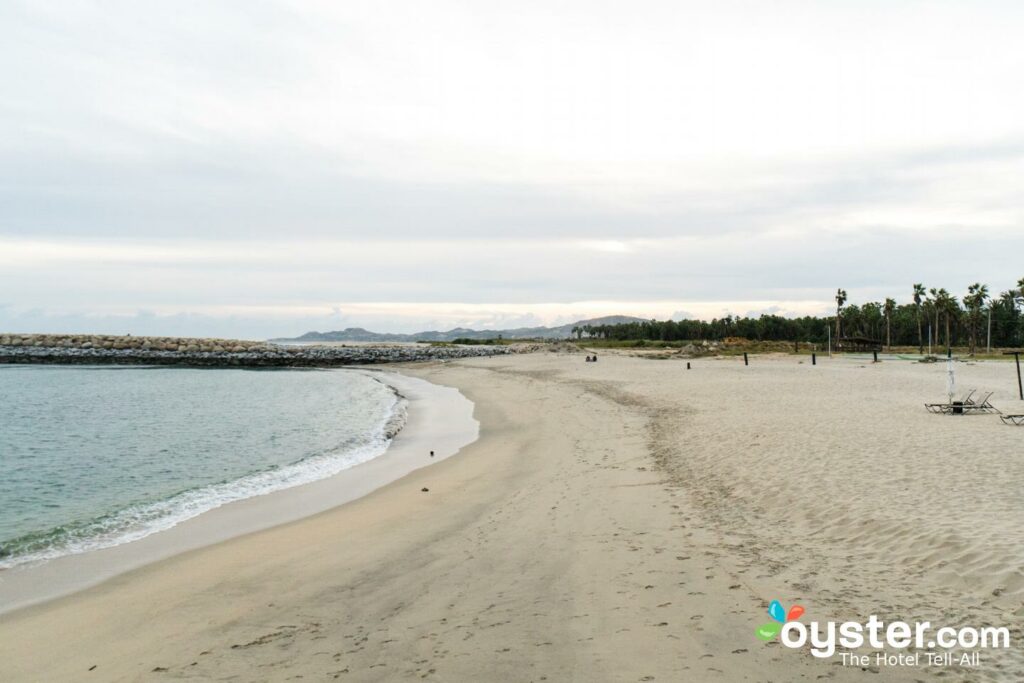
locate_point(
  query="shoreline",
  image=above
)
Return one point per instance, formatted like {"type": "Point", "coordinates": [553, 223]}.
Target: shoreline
{"type": "Point", "coordinates": [413, 431]}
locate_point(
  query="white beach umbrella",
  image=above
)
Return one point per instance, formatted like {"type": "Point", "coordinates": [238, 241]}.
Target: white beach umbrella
{"type": "Point", "coordinates": [950, 379]}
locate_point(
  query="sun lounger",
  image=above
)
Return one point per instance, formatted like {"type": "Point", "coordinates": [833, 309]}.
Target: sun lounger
{"type": "Point", "coordinates": [968, 406]}
{"type": "Point", "coordinates": [982, 406]}
{"type": "Point", "coordinates": [1015, 420]}
{"type": "Point", "coordinates": [947, 408]}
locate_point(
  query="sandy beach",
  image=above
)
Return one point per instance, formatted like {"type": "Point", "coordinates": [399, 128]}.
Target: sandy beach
{"type": "Point", "coordinates": [628, 520]}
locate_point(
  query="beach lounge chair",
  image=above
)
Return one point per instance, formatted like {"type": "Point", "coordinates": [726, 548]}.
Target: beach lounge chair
{"type": "Point", "coordinates": [947, 408]}
{"type": "Point", "coordinates": [1015, 420]}
{"type": "Point", "coordinates": [982, 406]}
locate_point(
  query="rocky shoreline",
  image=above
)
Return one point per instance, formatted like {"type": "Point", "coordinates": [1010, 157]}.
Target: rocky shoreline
{"type": "Point", "coordinates": [102, 349]}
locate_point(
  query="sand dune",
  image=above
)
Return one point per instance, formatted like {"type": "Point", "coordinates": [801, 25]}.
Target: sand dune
{"type": "Point", "coordinates": [627, 520]}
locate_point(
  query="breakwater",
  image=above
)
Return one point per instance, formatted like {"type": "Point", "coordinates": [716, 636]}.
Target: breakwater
{"type": "Point", "coordinates": [93, 349]}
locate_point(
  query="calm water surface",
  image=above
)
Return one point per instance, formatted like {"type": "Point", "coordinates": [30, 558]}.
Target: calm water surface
{"type": "Point", "coordinates": [96, 456]}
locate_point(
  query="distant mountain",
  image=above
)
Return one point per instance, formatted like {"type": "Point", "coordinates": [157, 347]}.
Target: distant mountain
{"type": "Point", "coordinates": [358, 334]}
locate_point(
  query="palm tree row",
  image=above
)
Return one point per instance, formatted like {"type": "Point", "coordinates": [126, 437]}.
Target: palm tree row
{"type": "Point", "coordinates": [949, 321]}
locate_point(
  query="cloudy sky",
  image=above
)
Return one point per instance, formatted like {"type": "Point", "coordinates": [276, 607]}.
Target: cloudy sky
{"type": "Point", "coordinates": [263, 168]}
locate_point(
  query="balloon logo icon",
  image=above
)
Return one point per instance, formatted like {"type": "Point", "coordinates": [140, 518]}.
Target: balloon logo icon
{"type": "Point", "coordinates": [780, 617]}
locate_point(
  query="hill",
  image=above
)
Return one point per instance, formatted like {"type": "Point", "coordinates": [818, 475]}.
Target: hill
{"type": "Point", "coordinates": [358, 334]}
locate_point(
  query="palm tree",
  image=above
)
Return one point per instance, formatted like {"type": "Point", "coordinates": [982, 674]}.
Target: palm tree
{"type": "Point", "coordinates": [936, 308]}
{"type": "Point", "coordinates": [889, 308]}
{"type": "Point", "coordinates": [1004, 310]}
{"type": "Point", "coordinates": [952, 313]}
{"type": "Point", "coordinates": [840, 300]}
{"type": "Point", "coordinates": [975, 299]}
{"type": "Point", "coordinates": [983, 297]}
{"type": "Point", "coordinates": [919, 297]}
{"type": "Point", "coordinates": [970, 303]}
{"type": "Point", "coordinates": [948, 306]}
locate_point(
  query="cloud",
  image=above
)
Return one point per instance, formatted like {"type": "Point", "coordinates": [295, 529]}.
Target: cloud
{"type": "Point", "coordinates": [265, 165]}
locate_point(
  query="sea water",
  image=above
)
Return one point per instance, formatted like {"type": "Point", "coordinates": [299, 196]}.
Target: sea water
{"type": "Point", "coordinates": [92, 457]}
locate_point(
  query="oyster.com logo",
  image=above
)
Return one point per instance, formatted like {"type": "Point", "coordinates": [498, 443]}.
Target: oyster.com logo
{"type": "Point", "coordinates": [781, 616]}
{"type": "Point", "coordinates": [931, 645]}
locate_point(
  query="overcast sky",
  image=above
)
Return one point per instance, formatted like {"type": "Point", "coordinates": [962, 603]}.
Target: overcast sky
{"type": "Point", "coordinates": [264, 168]}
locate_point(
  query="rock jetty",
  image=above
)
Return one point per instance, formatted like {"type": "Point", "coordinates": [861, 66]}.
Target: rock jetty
{"type": "Point", "coordinates": [91, 349]}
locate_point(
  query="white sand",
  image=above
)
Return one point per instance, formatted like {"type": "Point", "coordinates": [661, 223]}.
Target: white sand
{"type": "Point", "coordinates": [625, 520]}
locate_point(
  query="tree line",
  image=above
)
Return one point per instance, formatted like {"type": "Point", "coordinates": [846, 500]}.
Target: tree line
{"type": "Point", "coordinates": [932, 314]}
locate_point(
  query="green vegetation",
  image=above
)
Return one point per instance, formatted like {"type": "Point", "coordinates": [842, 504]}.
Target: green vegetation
{"type": "Point", "coordinates": [953, 324]}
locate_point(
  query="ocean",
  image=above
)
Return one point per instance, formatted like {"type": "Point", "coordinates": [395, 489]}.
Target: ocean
{"type": "Point", "coordinates": [92, 457]}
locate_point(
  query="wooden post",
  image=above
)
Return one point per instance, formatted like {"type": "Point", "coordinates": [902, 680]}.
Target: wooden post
{"type": "Point", "coordinates": [814, 359]}
{"type": "Point", "coordinates": [745, 361]}
{"type": "Point", "coordinates": [988, 339]}
{"type": "Point", "coordinates": [687, 365]}
{"type": "Point", "coordinates": [1016, 357]}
